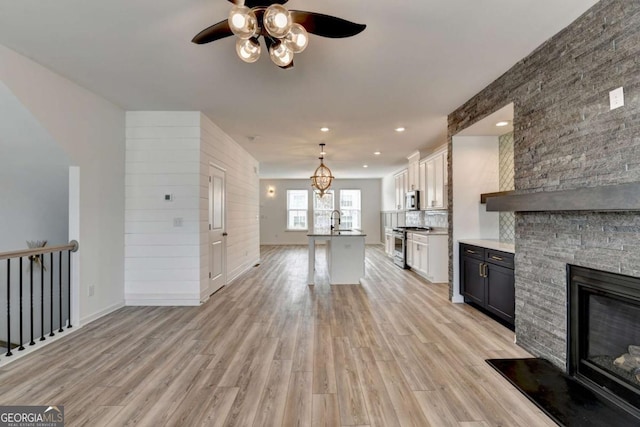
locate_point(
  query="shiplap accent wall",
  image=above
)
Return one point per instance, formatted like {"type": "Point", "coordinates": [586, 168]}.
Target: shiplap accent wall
{"type": "Point", "coordinates": [242, 201]}
{"type": "Point", "coordinates": [169, 153]}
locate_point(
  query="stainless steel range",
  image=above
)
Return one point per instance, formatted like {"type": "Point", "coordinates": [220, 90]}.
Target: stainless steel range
{"type": "Point", "coordinates": [400, 244]}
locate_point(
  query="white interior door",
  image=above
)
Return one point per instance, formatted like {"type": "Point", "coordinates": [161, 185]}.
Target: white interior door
{"type": "Point", "coordinates": [217, 233]}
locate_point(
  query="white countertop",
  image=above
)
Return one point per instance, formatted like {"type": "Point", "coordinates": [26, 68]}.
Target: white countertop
{"type": "Point", "coordinates": [430, 232]}
{"type": "Point", "coordinates": [327, 232]}
{"type": "Point", "coordinates": [491, 244]}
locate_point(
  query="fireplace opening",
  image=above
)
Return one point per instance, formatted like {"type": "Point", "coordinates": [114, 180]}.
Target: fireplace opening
{"type": "Point", "coordinates": [604, 334]}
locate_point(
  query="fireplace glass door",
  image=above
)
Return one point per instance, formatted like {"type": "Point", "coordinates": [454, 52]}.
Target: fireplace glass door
{"type": "Point", "coordinates": [604, 332]}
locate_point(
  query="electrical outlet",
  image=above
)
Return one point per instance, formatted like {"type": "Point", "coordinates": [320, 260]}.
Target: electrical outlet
{"type": "Point", "coordinates": [91, 290]}
{"type": "Point", "coordinates": [616, 98]}
{"type": "Point", "coordinates": [177, 222]}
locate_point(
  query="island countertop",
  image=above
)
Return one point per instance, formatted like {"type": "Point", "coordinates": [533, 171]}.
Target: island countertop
{"type": "Point", "coordinates": [327, 232]}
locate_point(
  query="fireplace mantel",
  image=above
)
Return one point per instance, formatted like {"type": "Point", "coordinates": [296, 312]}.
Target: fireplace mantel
{"type": "Point", "coordinates": [609, 198]}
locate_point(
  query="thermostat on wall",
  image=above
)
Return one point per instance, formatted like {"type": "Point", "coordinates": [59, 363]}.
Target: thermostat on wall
{"type": "Point", "coordinates": [168, 197]}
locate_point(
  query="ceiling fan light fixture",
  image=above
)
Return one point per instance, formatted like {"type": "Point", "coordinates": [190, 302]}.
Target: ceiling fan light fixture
{"type": "Point", "coordinates": [243, 22]}
{"type": "Point", "coordinates": [297, 38]}
{"type": "Point", "coordinates": [248, 49]}
{"type": "Point", "coordinates": [281, 54]}
{"type": "Point", "coordinates": [277, 20]}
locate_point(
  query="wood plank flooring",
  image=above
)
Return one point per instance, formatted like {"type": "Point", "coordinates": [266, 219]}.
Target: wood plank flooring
{"type": "Point", "coordinates": [270, 350]}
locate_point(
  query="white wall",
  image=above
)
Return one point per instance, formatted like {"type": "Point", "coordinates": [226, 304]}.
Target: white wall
{"type": "Point", "coordinates": [475, 171]}
{"type": "Point", "coordinates": [34, 179]}
{"type": "Point", "coordinates": [90, 130]}
{"type": "Point", "coordinates": [273, 209]}
{"type": "Point", "coordinates": [162, 265]}
{"type": "Point", "coordinates": [170, 153]}
{"type": "Point", "coordinates": [242, 201]}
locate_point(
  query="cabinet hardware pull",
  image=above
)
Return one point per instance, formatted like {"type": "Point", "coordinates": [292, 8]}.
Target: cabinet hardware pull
{"type": "Point", "coordinates": [480, 270]}
{"type": "Point", "coordinates": [486, 270]}
{"type": "Point", "coordinates": [497, 258]}
{"type": "Point", "coordinates": [469, 251]}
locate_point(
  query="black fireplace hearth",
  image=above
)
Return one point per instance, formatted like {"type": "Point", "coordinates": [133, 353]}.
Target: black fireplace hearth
{"type": "Point", "coordinates": [604, 334]}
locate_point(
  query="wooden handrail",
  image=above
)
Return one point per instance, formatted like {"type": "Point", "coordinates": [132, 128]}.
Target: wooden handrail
{"type": "Point", "coordinates": [72, 246]}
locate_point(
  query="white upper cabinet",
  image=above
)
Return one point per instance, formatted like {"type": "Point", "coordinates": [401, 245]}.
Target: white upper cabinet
{"type": "Point", "coordinates": [435, 182]}
{"type": "Point", "coordinates": [414, 177]}
{"type": "Point", "coordinates": [402, 185]}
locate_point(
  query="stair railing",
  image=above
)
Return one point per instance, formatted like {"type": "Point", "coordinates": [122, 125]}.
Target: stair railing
{"type": "Point", "coordinates": [49, 304]}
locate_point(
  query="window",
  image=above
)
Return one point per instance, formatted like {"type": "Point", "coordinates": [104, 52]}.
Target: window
{"type": "Point", "coordinates": [297, 206]}
{"type": "Point", "coordinates": [350, 208]}
{"type": "Point", "coordinates": [322, 208]}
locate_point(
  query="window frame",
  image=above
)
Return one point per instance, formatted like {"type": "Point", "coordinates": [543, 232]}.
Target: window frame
{"type": "Point", "coordinates": [290, 210]}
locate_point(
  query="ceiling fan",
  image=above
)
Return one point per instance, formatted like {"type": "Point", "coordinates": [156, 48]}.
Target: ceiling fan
{"type": "Point", "coordinates": [285, 32]}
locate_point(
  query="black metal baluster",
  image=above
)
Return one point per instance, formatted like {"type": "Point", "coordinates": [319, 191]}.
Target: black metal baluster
{"type": "Point", "coordinates": [69, 283]}
{"type": "Point", "coordinates": [60, 286]}
{"type": "Point", "coordinates": [51, 293]}
{"type": "Point", "coordinates": [9, 308]}
{"type": "Point", "coordinates": [42, 338]}
{"type": "Point", "coordinates": [32, 342]}
{"type": "Point", "coordinates": [21, 339]}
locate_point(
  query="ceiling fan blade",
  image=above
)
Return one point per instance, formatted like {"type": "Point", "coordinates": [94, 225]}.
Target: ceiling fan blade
{"type": "Point", "coordinates": [214, 32]}
{"type": "Point", "coordinates": [326, 25]}
{"type": "Point", "coordinates": [254, 3]}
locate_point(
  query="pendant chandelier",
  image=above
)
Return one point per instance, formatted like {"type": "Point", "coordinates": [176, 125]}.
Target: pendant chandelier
{"type": "Point", "coordinates": [322, 178]}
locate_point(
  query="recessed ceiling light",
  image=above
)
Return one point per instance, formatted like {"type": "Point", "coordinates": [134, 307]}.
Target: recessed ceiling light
{"type": "Point", "coordinates": [365, 166]}
{"type": "Point", "coordinates": [400, 129]}
{"type": "Point", "coordinates": [324, 129]}
{"type": "Point", "coordinates": [501, 124]}
{"type": "Point", "coordinates": [377, 153]}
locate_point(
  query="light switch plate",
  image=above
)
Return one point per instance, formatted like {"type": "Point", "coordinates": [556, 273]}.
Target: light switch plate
{"type": "Point", "coordinates": [616, 98]}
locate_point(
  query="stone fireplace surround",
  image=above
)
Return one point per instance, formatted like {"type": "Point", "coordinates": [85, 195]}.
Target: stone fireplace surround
{"type": "Point", "coordinates": [566, 138]}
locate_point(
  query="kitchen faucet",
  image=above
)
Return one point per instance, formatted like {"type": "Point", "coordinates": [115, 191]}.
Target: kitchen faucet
{"type": "Point", "coordinates": [332, 219]}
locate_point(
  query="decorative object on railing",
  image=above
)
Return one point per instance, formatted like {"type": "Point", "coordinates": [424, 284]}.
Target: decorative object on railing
{"type": "Point", "coordinates": [54, 299]}
{"type": "Point", "coordinates": [34, 244]}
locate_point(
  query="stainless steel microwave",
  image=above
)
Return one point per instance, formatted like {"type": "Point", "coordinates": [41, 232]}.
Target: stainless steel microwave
{"type": "Point", "coordinates": [412, 200]}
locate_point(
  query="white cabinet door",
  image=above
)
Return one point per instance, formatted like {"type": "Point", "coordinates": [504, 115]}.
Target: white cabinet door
{"type": "Point", "coordinates": [401, 183]}
{"type": "Point", "coordinates": [436, 193]}
{"type": "Point", "coordinates": [409, 255]}
{"type": "Point", "coordinates": [438, 260]}
{"type": "Point", "coordinates": [388, 244]}
{"type": "Point", "coordinates": [422, 184]}
{"type": "Point", "coordinates": [421, 259]}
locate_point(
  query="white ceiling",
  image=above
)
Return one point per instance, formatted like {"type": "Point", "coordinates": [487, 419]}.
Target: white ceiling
{"type": "Point", "coordinates": [416, 62]}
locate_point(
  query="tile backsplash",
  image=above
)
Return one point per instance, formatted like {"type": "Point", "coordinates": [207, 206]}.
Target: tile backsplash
{"type": "Point", "coordinates": [437, 219]}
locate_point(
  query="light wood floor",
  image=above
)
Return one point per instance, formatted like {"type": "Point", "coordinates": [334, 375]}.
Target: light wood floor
{"type": "Point", "coordinates": [271, 350]}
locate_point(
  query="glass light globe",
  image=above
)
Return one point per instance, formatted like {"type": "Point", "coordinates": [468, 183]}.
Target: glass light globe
{"type": "Point", "coordinates": [248, 49]}
{"type": "Point", "coordinates": [277, 20]}
{"type": "Point", "coordinates": [243, 22]}
{"type": "Point", "coordinates": [281, 54]}
{"type": "Point", "coordinates": [297, 38]}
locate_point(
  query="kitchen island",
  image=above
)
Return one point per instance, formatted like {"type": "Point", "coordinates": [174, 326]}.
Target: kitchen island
{"type": "Point", "coordinates": [344, 254]}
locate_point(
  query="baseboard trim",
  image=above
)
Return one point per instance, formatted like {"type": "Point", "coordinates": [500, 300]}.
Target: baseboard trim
{"type": "Point", "coordinates": [239, 271]}
{"type": "Point", "coordinates": [457, 299]}
{"type": "Point", "coordinates": [162, 300]}
{"type": "Point", "coordinates": [103, 312]}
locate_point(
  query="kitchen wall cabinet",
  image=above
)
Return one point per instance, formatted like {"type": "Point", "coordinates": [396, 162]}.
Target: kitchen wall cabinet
{"type": "Point", "coordinates": [435, 185]}
{"type": "Point", "coordinates": [427, 255]}
{"type": "Point", "coordinates": [413, 172]}
{"type": "Point", "coordinates": [487, 279]}
{"type": "Point", "coordinates": [402, 184]}
{"type": "Point", "coordinates": [432, 180]}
